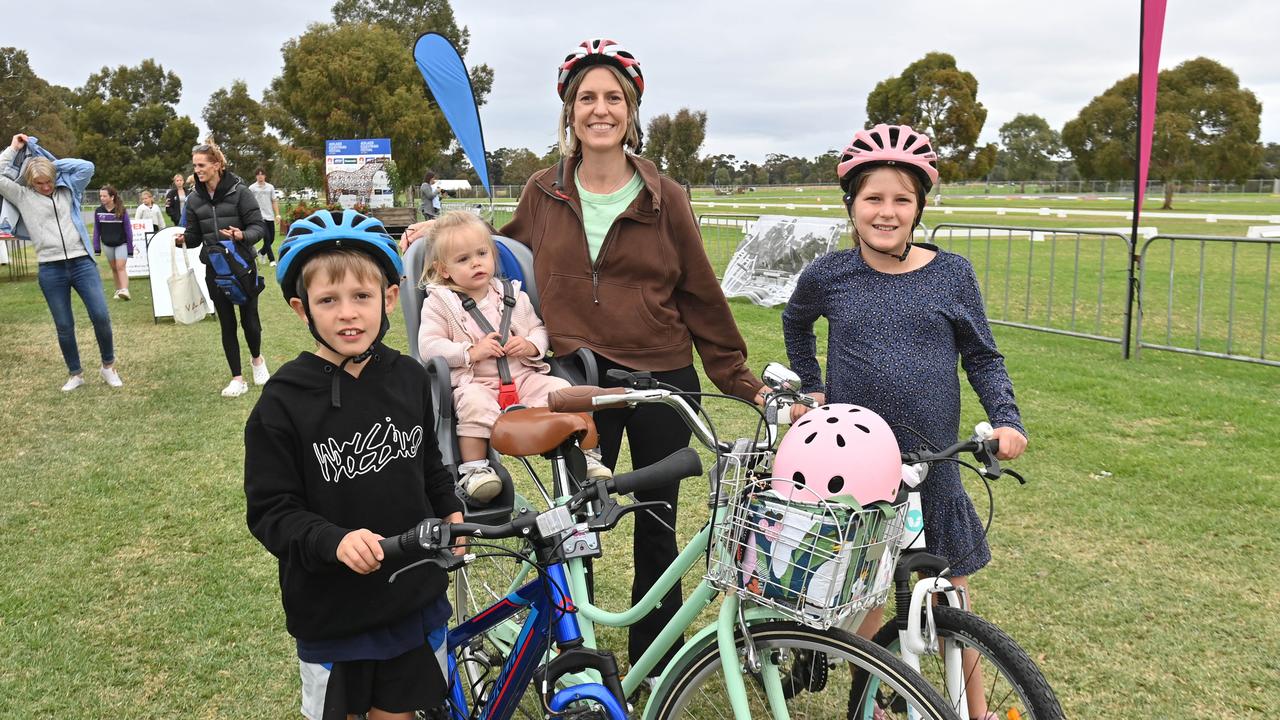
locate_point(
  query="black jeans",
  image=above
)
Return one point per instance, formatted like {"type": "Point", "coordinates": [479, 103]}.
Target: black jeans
{"type": "Point", "coordinates": [653, 432]}
{"type": "Point", "coordinates": [227, 320]}
{"type": "Point", "coordinates": [268, 240]}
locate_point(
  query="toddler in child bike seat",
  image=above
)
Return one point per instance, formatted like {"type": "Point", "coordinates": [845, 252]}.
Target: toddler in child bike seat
{"type": "Point", "coordinates": [486, 329]}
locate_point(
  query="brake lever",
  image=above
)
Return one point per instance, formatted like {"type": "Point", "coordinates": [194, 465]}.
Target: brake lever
{"type": "Point", "coordinates": [1016, 476]}
{"type": "Point", "coordinates": [433, 537]}
{"type": "Point", "coordinates": [612, 512]}
{"type": "Point", "coordinates": [986, 454]}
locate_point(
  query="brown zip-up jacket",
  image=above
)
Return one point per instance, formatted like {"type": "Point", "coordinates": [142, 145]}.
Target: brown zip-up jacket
{"type": "Point", "coordinates": [650, 296]}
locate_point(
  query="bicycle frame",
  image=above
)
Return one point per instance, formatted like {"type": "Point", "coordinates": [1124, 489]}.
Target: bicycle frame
{"type": "Point", "coordinates": [545, 623]}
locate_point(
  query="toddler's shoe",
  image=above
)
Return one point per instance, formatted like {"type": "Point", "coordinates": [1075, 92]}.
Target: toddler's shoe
{"type": "Point", "coordinates": [235, 388]}
{"type": "Point", "coordinates": [72, 383]}
{"type": "Point", "coordinates": [596, 470]}
{"type": "Point", "coordinates": [260, 372]}
{"type": "Point", "coordinates": [112, 377]}
{"type": "Point", "coordinates": [481, 484]}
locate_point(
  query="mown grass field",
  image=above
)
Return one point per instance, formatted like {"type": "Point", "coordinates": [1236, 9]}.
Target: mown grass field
{"type": "Point", "coordinates": [1136, 566]}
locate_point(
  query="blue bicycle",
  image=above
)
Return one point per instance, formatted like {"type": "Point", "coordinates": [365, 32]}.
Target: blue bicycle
{"type": "Point", "coordinates": [549, 613]}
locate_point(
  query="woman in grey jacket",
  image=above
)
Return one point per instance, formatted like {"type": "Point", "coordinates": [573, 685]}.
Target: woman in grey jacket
{"type": "Point", "coordinates": [50, 207]}
{"type": "Point", "coordinates": [222, 211]}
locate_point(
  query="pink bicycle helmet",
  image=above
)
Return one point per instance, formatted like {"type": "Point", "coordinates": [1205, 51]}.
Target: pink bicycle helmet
{"type": "Point", "coordinates": [839, 449]}
{"type": "Point", "coordinates": [889, 145]}
{"type": "Point", "coordinates": [598, 51]}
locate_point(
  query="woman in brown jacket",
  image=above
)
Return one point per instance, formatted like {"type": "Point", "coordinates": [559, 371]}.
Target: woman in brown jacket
{"type": "Point", "coordinates": [621, 270]}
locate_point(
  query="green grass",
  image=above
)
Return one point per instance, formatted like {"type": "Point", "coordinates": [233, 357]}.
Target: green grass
{"type": "Point", "coordinates": [1136, 566]}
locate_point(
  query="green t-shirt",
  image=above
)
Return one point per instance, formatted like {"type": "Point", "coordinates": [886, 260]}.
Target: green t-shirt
{"type": "Point", "coordinates": [599, 211]}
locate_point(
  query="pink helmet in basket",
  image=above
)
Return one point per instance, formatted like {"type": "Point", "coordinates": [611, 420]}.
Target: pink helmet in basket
{"type": "Point", "coordinates": [889, 145]}
{"type": "Point", "coordinates": [839, 449]}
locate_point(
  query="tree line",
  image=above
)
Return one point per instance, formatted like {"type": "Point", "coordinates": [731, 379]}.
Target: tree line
{"type": "Point", "coordinates": [352, 77]}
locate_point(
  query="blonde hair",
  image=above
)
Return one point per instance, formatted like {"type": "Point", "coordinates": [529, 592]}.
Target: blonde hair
{"type": "Point", "coordinates": [336, 264]}
{"type": "Point", "coordinates": [569, 143]}
{"type": "Point", "coordinates": [442, 235]}
{"type": "Point", "coordinates": [210, 149]}
{"type": "Point", "coordinates": [39, 168]}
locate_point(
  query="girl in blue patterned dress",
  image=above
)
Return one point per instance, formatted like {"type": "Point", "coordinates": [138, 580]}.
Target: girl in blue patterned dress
{"type": "Point", "coordinates": [899, 316]}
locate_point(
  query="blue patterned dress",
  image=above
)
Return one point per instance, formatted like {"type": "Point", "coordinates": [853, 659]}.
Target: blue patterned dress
{"type": "Point", "coordinates": [892, 347]}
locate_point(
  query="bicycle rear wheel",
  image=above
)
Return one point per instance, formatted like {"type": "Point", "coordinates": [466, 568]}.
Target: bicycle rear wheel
{"type": "Point", "coordinates": [1013, 687]}
{"type": "Point", "coordinates": [817, 667]}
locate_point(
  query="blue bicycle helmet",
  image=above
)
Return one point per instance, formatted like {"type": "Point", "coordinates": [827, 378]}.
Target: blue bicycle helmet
{"type": "Point", "coordinates": [329, 229]}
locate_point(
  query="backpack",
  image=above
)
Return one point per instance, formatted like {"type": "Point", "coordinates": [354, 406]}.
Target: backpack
{"type": "Point", "coordinates": [233, 275]}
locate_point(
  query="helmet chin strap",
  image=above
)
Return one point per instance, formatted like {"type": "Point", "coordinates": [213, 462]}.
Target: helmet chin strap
{"type": "Point", "coordinates": [899, 258]}
{"type": "Point", "coordinates": [334, 395]}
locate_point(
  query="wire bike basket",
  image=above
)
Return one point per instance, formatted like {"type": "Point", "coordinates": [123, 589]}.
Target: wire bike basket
{"type": "Point", "coordinates": [813, 560]}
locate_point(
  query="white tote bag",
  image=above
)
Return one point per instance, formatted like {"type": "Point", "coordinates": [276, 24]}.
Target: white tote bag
{"type": "Point", "coordinates": [189, 306]}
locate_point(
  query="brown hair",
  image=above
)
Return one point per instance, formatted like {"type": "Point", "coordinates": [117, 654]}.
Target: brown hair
{"type": "Point", "coordinates": [569, 143]}
{"type": "Point", "coordinates": [338, 262]}
{"type": "Point", "coordinates": [443, 231]}
{"type": "Point", "coordinates": [117, 207]}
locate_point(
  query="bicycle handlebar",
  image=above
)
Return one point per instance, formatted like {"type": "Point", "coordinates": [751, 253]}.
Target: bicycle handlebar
{"type": "Point", "coordinates": [981, 445]}
{"type": "Point", "coordinates": [431, 539]}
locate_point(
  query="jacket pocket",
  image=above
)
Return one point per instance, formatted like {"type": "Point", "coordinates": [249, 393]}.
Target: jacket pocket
{"type": "Point", "coordinates": [622, 319]}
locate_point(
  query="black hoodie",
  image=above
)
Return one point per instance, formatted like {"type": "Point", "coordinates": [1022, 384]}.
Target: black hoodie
{"type": "Point", "coordinates": [313, 473]}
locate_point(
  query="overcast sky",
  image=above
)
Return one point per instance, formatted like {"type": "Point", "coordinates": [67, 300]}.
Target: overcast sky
{"type": "Point", "coordinates": [789, 77]}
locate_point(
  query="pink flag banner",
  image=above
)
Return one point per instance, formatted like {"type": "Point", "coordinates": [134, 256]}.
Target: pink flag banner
{"type": "Point", "coordinates": [1149, 77]}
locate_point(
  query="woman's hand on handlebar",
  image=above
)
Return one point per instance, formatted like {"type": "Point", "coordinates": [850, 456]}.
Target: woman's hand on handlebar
{"type": "Point", "coordinates": [1012, 442]}
{"type": "Point", "coordinates": [799, 409]}
{"type": "Point", "coordinates": [413, 233]}
{"type": "Point", "coordinates": [359, 550]}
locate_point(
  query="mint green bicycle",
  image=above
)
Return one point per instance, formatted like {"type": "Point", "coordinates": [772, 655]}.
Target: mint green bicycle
{"type": "Point", "coordinates": [788, 658]}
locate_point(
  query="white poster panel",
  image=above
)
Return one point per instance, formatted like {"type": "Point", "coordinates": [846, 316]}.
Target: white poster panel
{"type": "Point", "coordinates": [160, 255]}
{"type": "Point", "coordinates": [137, 266]}
{"type": "Point", "coordinates": [355, 172]}
{"type": "Point", "coordinates": [775, 250]}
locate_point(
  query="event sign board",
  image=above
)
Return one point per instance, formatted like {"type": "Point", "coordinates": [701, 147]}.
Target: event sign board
{"type": "Point", "coordinates": [137, 266]}
{"type": "Point", "coordinates": [355, 171]}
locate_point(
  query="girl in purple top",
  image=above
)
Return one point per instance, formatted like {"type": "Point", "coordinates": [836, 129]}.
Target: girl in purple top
{"type": "Point", "coordinates": [899, 317]}
{"type": "Point", "coordinates": [113, 234]}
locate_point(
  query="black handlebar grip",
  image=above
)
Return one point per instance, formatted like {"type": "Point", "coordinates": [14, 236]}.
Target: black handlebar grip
{"type": "Point", "coordinates": [579, 398]}
{"type": "Point", "coordinates": [680, 464]}
{"type": "Point", "coordinates": [398, 547]}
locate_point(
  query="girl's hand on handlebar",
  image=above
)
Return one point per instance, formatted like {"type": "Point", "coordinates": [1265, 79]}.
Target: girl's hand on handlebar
{"type": "Point", "coordinates": [359, 550]}
{"type": "Point", "coordinates": [799, 409]}
{"type": "Point", "coordinates": [1012, 443]}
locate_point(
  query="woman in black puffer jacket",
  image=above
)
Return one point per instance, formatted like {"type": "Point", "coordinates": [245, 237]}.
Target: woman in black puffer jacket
{"type": "Point", "coordinates": [221, 213]}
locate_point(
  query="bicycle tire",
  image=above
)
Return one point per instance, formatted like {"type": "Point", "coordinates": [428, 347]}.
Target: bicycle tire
{"type": "Point", "coordinates": [1013, 684]}
{"type": "Point", "coordinates": [698, 688]}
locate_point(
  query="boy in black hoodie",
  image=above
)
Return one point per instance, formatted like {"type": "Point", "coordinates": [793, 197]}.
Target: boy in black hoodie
{"type": "Point", "coordinates": [338, 454]}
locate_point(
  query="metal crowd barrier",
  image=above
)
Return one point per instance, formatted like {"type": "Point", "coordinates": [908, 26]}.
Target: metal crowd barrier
{"type": "Point", "coordinates": [1221, 310]}
{"type": "Point", "coordinates": [1069, 282]}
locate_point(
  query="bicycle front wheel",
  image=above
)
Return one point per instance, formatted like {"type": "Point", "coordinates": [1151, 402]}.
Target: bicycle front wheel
{"type": "Point", "coordinates": [817, 669]}
{"type": "Point", "coordinates": [1004, 676]}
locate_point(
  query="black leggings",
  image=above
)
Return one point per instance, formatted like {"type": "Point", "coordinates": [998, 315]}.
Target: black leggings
{"type": "Point", "coordinates": [653, 432]}
{"type": "Point", "coordinates": [227, 320]}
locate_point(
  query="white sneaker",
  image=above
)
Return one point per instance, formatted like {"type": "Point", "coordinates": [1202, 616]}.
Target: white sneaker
{"type": "Point", "coordinates": [596, 470]}
{"type": "Point", "coordinates": [235, 388]}
{"type": "Point", "coordinates": [73, 382]}
{"type": "Point", "coordinates": [260, 372]}
{"type": "Point", "coordinates": [123, 294]}
{"type": "Point", "coordinates": [111, 376]}
{"type": "Point", "coordinates": [273, 263]}
{"type": "Point", "coordinates": [116, 296]}
{"type": "Point", "coordinates": [482, 484]}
